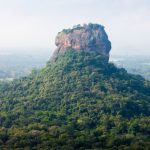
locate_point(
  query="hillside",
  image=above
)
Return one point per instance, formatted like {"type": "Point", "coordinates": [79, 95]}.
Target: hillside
{"type": "Point", "coordinates": [78, 101]}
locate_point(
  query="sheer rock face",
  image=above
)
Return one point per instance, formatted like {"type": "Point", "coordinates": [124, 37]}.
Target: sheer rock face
{"type": "Point", "coordinates": [91, 37]}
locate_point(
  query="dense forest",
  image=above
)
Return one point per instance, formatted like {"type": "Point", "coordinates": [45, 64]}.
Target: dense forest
{"type": "Point", "coordinates": [78, 102]}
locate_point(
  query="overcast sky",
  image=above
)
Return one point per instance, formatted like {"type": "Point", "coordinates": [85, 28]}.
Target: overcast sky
{"type": "Point", "coordinates": [33, 24]}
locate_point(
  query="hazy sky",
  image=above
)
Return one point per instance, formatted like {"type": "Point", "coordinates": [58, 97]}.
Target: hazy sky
{"type": "Point", "coordinates": [33, 24]}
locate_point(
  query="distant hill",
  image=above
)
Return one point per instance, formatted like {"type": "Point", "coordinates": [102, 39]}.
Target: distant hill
{"type": "Point", "coordinates": [134, 64]}
{"type": "Point", "coordinates": [18, 64]}
{"type": "Point", "coordinates": [78, 101]}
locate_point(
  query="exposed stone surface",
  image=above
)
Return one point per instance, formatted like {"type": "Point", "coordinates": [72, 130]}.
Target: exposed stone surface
{"type": "Point", "coordinates": [91, 37]}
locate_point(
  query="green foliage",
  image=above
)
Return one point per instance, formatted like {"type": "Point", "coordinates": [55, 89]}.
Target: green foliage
{"type": "Point", "coordinates": [78, 102]}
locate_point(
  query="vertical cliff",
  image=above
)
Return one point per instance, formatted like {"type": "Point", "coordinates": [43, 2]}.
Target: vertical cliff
{"type": "Point", "coordinates": [91, 37]}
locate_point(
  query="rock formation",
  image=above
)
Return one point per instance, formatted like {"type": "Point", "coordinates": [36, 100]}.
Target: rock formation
{"type": "Point", "coordinates": [91, 37]}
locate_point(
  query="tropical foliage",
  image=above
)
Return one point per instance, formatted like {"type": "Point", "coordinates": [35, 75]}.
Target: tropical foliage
{"type": "Point", "coordinates": [78, 102]}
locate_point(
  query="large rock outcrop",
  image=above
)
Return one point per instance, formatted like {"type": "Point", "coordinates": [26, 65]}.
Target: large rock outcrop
{"type": "Point", "coordinates": [91, 37]}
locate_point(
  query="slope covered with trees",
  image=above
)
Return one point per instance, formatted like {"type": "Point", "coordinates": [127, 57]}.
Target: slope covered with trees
{"type": "Point", "coordinates": [80, 101]}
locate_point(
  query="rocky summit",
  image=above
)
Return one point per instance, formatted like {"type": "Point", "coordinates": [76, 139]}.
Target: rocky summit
{"type": "Point", "coordinates": [78, 102]}
{"type": "Point", "coordinates": [89, 37]}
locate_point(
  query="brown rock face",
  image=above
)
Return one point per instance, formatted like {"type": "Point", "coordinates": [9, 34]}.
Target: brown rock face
{"type": "Point", "coordinates": [91, 37]}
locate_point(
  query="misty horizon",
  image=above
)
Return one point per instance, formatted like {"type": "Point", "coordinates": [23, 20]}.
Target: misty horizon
{"type": "Point", "coordinates": [31, 25]}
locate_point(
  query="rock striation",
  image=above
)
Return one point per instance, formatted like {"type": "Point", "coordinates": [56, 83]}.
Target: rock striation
{"type": "Point", "coordinates": [89, 37]}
